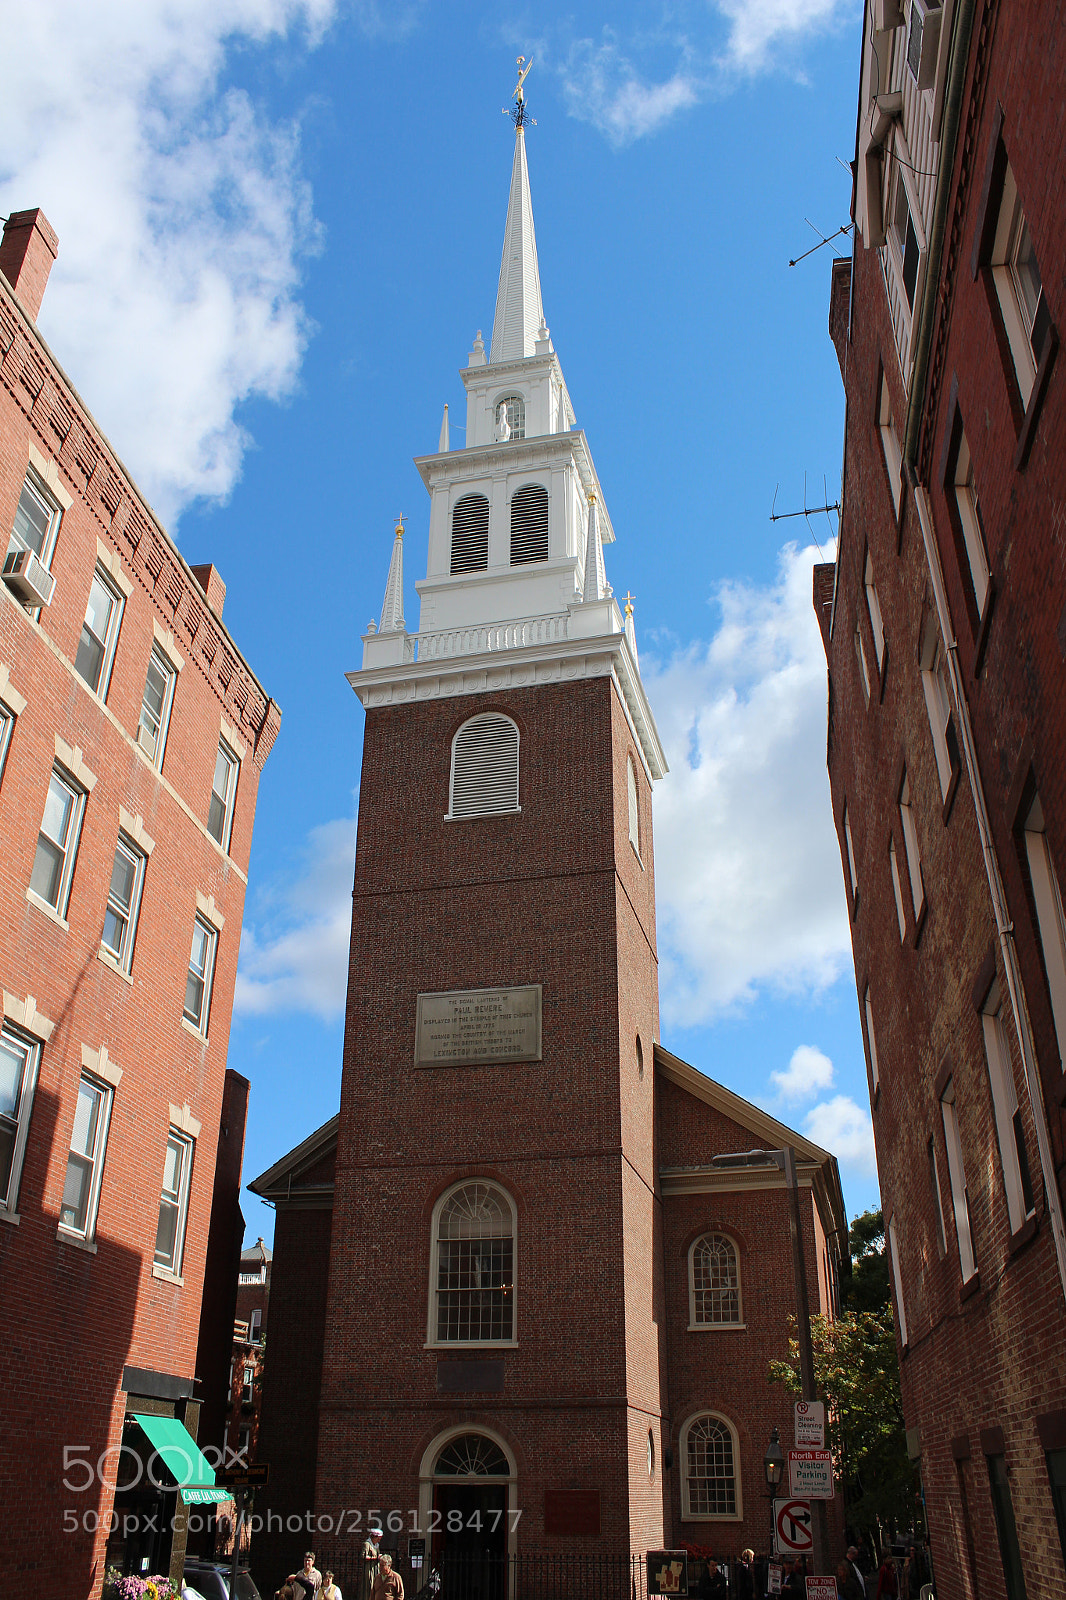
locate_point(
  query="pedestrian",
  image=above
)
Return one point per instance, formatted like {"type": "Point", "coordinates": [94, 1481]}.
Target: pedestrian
{"type": "Point", "coordinates": [887, 1579]}
{"type": "Point", "coordinates": [913, 1574]}
{"type": "Point", "coordinates": [852, 1556]}
{"type": "Point", "coordinates": [330, 1590]}
{"type": "Point", "coordinates": [308, 1581]}
{"type": "Point", "coordinates": [371, 1557]}
{"type": "Point", "coordinates": [388, 1584]}
{"type": "Point", "coordinates": [796, 1582]}
{"type": "Point", "coordinates": [847, 1582]}
{"type": "Point", "coordinates": [746, 1576]}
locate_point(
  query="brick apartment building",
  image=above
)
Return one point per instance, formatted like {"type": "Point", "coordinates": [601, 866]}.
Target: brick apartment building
{"type": "Point", "coordinates": [132, 735]}
{"type": "Point", "coordinates": [249, 1347]}
{"type": "Point", "coordinates": [944, 621]}
{"type": "Point", "coordinates": [514, 1308]}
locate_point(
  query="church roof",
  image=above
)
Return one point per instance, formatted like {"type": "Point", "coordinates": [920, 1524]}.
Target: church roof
{"type": "Point", "coordinates": [298, 1178]}
{"type": "Point", "coordinates": [519, 312]}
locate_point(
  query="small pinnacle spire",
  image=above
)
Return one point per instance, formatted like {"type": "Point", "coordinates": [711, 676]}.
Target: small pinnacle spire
{"type": "Point", "coordinates": [392, 606]}
{"type": "Point", "coordinates": [444, 444]}
{"type": "Point", "coordinates": [595, 576]}
{"type": "Point", "coordinates": [476, 358]}
{"type": "Point", "coordinates": [631, 630]}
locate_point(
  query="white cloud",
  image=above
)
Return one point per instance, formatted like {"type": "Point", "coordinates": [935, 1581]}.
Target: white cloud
{"type": "Point", "coordinates": [844, 1127]}
{"type": "Point", "coordinates": [747, 867]}
{"type": "Point", "coordinates": [295, 956]}
{"type": "Point", "coordinates": [182, 217]}
{"type": "Point", "coordinates": [758, 26]}
{"type": "Point", "coordinates": [603, 87]}
{"type": "Point", "coordinates": [808, 1072]}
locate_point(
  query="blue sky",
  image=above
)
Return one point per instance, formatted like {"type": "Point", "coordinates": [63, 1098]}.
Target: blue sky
{"type": "Point", "coordinates": [280, 225]}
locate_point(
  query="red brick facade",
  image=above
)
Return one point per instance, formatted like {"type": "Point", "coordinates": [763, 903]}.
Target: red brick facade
{"type": "Point", "coordinates": [984, 1358]}
{"type": "Point", "coordinates": [92, 1326]}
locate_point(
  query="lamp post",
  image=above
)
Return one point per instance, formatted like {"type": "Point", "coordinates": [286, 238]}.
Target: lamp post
{"type": "Point", "coordinates": [773, 1465]}
{"type": "Point", "coordinates": [785, 1161]}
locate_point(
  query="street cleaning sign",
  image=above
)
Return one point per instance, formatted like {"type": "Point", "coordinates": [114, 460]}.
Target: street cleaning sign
{"type": "Point", "coordinates": [810, 1425]}
{"type": "Point", "coordinates": [810, 1474]}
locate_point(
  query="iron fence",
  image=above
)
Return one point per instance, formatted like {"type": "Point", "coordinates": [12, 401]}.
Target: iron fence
{"type": "Point", "coordinates": [531, 1575]}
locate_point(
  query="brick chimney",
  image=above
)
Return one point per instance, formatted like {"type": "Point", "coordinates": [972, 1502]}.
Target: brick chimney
{"type": "Point", "coordinates": [29, 247]}
{"type": "Point", "coordinates": [824, 589]}
{"type": "Point", "coordinates": [211, 583]}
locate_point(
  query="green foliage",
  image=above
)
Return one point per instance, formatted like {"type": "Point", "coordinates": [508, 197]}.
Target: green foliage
{"type": "Point", "coordinates": [857, 1375]}
{"type": "Point", "coordinates": [867, 1288]}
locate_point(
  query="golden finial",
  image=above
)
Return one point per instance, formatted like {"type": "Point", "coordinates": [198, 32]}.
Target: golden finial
{"type": "Point", "coordinates": [629, 605]}
{"type": "Point", "coordinates": [399, 526]}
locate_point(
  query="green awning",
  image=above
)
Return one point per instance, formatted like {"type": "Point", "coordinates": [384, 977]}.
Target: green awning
{"type": "Point", "coordinates": [180, 1454]}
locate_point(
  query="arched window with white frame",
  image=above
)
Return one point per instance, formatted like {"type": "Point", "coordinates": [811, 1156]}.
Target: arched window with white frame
{"type": "Point", "coordinates": [710, 1476]}
{"type": "Point", "coordinates": [484, 779]}
{"type": "Point", "coordinates": [472, 1290]}
{"type": "Point", "coordinates": [714, 1282]}
{"type": "Point", "coordinates": [516, 413]}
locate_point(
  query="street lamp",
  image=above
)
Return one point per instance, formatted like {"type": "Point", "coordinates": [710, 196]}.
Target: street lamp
{"type": "Point", "coordinates": [773, 1462]}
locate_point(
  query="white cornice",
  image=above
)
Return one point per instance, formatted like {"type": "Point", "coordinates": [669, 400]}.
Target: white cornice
{"type": "Point", "coordinates": [483, 459]}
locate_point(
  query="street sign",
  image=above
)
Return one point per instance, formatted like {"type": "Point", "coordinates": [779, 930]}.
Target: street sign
{"type": "Point", "coordinates": [810, 1474]}
{"type": "Point", "coordinates": [810, 1424]}
{"type": "Point", "coordinates": [792, 1528]}
{"type": "Point", "coordinates": [773, 1579]}
{"type": "Point", "coordinates": [251, 1477]}
{"type": "Point", "coordinates": [667, 1572]}
{"type": "Point", "coordinates": [821, 1588]}
{"type": "Point", "coordinates": [416, 1553]}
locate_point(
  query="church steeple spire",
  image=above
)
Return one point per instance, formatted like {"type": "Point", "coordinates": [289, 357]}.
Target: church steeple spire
{"type": "Point", "coordinates": [392, 606]}
{"type": "Point", "coordinates": [519, 312]}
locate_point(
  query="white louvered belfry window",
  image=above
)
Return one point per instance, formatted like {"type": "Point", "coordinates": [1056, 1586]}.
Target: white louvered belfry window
{"type": "Point", "coordinates": [529, 524]}
{"type": "Point", "coordinates": [516, 414]}
{"type": "Point", "coordinates": [470, 534]}
{"type": "Point", "coordinates": [484, 767]}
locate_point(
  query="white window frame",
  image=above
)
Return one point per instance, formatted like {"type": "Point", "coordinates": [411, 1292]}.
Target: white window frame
{"type": "Point", "coordinates": [178, 1200]}
{"type": "Point", "coordinates": [897, 889]}
{"type": "Point", "coordinates": [849, 849]}
{"type": "Point", "coordinates": [433, 1339]}
{"type": "Point", "coordinates": [871, 1044]}
{"type": "Point", "coordinates": [890, 443]}
{"type": "Point", "coordinates": [123, 956]}
{"type": "Point", "coordinates": [154, 746]}
{"type": "Point", "coordinates": [897, 1279]}
{"type": "Point", "coordinates": [960, 1197]}
{"type": "Point", "coordinates": [94, 1157]}
{"type": "Point", "coordinates": [873, 608]}
{"type": "Point", "coordinates": [7, 728]}
{"type": "Point", "coordinates": [198, 1019]}
{"type": "Point", "coordinates": [33, 485]}
{"type": "Point", "coordinates": [634, 805]}
{"type": "Point", "coordinates": [965, 491]}
{"type": "Point", "coordinates": [255, 1323]}
{"type": "Point", "coordinates": [1017, 321]}
{"type": "Point", "coordinates": [938, 1215]}
{"type": "Point", "coordinates": [899, 187]}
{"type": "Point", "coordinates": [687, 1513]}
{"type": "Point", "coordinates": [68, 846]}
{"type": "Point", "coordinates": [224, 799]}
{"type": "Point", "coordinates": [516, 413]}
{"type": "Point", "coordinates": [1050, 919]}
{"type": "Point", "coordinates": [109, 642]}
{"type": "Point", "coordinates": [860, 656]}
{"type": "Point", "coordinates": [910, 842]}
{"type": "Point", "coordinates": [17, 1122]}
{"type": "Point", "coordinates": [1013, 1156]}
{"type": "Point", "coordinates": [248, 1382]}
{"type": "Point", "coordinates": [697, 1323]}
{"type": "Point", "coordinates": [470, 808]}
{"type": "Point", "coordinates": [937, 690]}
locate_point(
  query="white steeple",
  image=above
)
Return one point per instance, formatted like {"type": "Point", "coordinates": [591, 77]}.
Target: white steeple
{"type": "Point", "coordinates": [596, 587]}
{"type": "Point", "coordinates": [392, 605]}
{"type": "Point", "coordinates": [519, 312]}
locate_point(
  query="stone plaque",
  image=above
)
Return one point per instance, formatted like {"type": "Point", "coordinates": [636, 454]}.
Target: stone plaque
{"type": "Point", "coordinates": [468, 1026]}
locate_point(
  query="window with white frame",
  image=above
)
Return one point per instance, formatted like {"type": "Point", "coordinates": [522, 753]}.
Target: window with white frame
{"type": "Point", "coordinates": [1010, 1131]}
{"type": "Point", "coordinates": [873, 606]}
{"type": "Point", "coordinates": [19, 1062]}
{"type": "Point", "coordinates": [473, 1296]}
{"type": "Point", "coordinates": [897, 1279]}
{"type": "Point", "coordinates": [484, 777]}
{"type": "Point", "coordinates": [937, 690]}
{"type": "Point", "coordinates": [960, 1198]}
{"type": "Point", "coordinates": [7, 725]}
{"type": "Point", "coordinates": [897, 889]}
{"type": "Point", "coordinates": [155, 707]}
{"type": "Point", "coordinates": [860, 656]}
{"type": "Point", "coordinates": [634, 806]}
{"type": "Point", "coordinates": [470, 534]}
{"type": "Point", "coordinates": [36, 520]}
{"type": "Point", "coordinates": [890, 443]}
{"type": "Point", "coordinates": [249, 1381]}
{"type": "Point", "coordinates": [710, 1482]}
{"type": "Point", "coordinates": [1050, 920]}
{"type": "Point", "coordinates": [200, 975]}
{"type": "Point", "coordinates": [938, 1201]}
{"type": "Point", "coordinates": [903, 240]}
{"type": "Point", "coordinates": [57, 843]}
{"type": "Point", "coordinates": [85, 1163]}
{"type": "Point", "coordinates": [849, 847]}
{"type": "Point", "coordinates": [255, 1323]}
{"type": "Point", "coordinates": [529, 524]}
{"type": "Point", "coordinates": [910, 841]}
{"type": "Point", "coordinates": [99, 634]}
{"type": "Point", "coordinates": [1019, 289]}
{"type": "Point", "coordinates": [123, 902]}
{"type": "Point", "coordinates": [973, 539]}
{"type": "Point", "coordinates": [516, 413]}
{"type": "Point", "coordinates": [223, 793]}
{"type": "Point", "coordinates": [871, 1043]}
{"type": "Point", "coordinates": [174, 1201]}
{"type": "Point", "coordinates": [714, 1282]}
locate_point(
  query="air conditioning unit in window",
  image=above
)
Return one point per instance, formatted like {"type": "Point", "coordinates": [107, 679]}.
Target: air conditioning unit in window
{"type": "Point", "coordinates": [29, 578]}
{"type": "Point", "coordinates": [888, 14]}
{"type": "Point", "coordinates": [923, 42]}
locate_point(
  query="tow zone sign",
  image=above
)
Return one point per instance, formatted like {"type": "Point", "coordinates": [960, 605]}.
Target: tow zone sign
{"type": "Point", "coordinates": [792, 1528]}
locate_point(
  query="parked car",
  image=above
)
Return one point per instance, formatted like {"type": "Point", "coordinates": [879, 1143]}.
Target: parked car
{"type": "Point", "coordinates": [211, 1580]}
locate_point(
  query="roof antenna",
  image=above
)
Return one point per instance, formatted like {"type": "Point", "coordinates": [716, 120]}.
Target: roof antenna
{"type": "Point", "coordinates": [809, 511]}
{"type": "Point", "coordinates": [518, 113]}
{"type": "Point", "coordinates": [825, 239]}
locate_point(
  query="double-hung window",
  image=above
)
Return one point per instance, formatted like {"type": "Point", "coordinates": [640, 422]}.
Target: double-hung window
{"type": "Point", "coordinates": [1019, 288]}
{"type": "Point", "coordinates": [99, 634]}
{"type": "Point", "coordinates": [910, 840]}
{"type": "Point", "coordinates": [249, 1381]}
{"type": "Point", "coordinates": [960, 1198]}
{"type": "Point", "coordinates": [85, 1163]}
{"type": "Point", "coordinates": [57, 843]}
{"type": "Point", "coordinates": [19, 1060]}
{"type": "Point", "coordinates": [36, 521]}
{"type": "Point", "coordinates": [123, 902]}
{"type": "Point", "coordinates": [200, 975]}
{"type": "Point", "coordinates": [155, 707]}
{"type": "Point", "coordinates": [1050, 920]}
{"type": "Point", "coordinates": [174, 1201]}
{"type": "Point", "coordinates": [871, 1044]}
{"type": "Point", "coordinates": [897, 1279]}
{"type": "Point", "coordinates": [890, 443]}
{"type": "Point", "coordinates": [223, 791]}
{"type": "Point", "coordinates": [964, 491]}
{"type": "Point", "coordinates": [7, 723]}
{"type": "Point", "coordinates": [938, 704]}
{"type": "Point", "coordinates": [1009, 1128]}
{"type": "Point", "coordinates": [873, 606]}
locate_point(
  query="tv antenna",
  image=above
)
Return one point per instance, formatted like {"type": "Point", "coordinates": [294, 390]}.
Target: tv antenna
{"type": "Point", "coordinates": [823, 238]}
{"type": "Point", "coordinates": [826, 509]}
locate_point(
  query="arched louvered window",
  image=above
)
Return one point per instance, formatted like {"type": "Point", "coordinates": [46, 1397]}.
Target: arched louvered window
{"type": "Point", "coordinates": [714, 1282]}
{"type": "Point", "coordinates": [710, 1482]}
{"type": "Point", "coordinates": [484, 767]}
{"type": "Point", "coordinates": [470, 534]}
{"type": "Point", "coordinates": [529, 524]}
{"type": "Point", "coordinates": [472, 1299]}
{"type": "Point", "coordinates": [634, 810]}
{"type": "Point", "coordinates": [516, 413]}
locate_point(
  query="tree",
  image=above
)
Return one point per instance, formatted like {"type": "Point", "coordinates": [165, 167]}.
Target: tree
{"type": "Point", "coordinates": [867, 1287]}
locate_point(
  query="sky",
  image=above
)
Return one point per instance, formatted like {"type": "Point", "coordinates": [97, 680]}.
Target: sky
{"type": "Point", "coordinates": [280, 225]}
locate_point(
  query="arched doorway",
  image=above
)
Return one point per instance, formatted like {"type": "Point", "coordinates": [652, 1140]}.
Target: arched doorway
{"type": "Point", "coordinates": [468, 1493]}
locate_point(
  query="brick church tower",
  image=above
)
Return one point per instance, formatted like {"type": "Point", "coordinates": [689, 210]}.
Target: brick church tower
{"type": "Point", "coordinates": [495, 1303]}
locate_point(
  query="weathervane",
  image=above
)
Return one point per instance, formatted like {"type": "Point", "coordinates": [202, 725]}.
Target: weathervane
{"type": "Point", "coordinates": [518, 113]}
